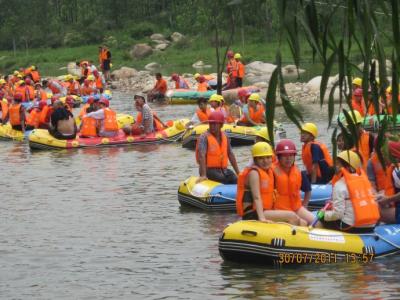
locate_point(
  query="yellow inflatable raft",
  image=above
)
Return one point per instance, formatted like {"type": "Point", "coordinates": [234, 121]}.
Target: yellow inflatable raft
{"type": "Point", "coordinates": [282, 243]}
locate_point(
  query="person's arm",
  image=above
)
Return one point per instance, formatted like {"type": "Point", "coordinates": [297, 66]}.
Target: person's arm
{"type": "Point", "coordinates": [339, 195]}
{"type": "Point", "coordinates": [254, 183]}
{"type": "Point", "coordinates": [22, 117]}
{"type": "Point", "coordinates": [202, 152]}
{"type": "Point", "coordinates": [232, 158]}
{"type": "Point", "coordinates": [98, 114]}
{"type": "Point", "coordinates": [305, 188]}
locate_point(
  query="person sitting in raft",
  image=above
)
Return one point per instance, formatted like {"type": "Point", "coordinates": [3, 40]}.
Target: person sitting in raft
{"type": "Point", "coordinates": [255, 115]}
{"type": "Point", "coordinates": [62, 123]}
{"type": "Point", "coordinates": [146, 120]}
{"type": "Point", "coordinates": [213, 150]}
{"type": "Point", "coordinates": [55, 87]}
{"type": "Point", "coordinates": [315, 156]}
{"type": "Point", "coordinates": [16, 113]}
{"type": "Point", "coordinates": [289, 180]}
{"type": "Point", "coordinates": [357, 102]}
{"type": "Point", "coordinates": [255, 190]}
{"type": "Point", "coordinates": [215, 102]}
{"type": "Point", "coordinates": [180, 82]}
{"type": "Point", "coordinates": [202, 83]}
{"type": "Point", "coordinates": [202, 113]}
{"type": "Point", "coordinates": [3, 108]}
{"type": "Point", "coordinates": [159, 90]}
{"type": "Point", "coordinates": [106, 119]}
{"type": "Point", "coordinates": [354, 208]}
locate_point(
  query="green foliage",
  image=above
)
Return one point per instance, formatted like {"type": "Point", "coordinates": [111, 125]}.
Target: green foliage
{"type": "Point", "coordinates": [141, 30]}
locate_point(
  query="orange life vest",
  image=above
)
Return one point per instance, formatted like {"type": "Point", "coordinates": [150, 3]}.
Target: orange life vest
{"type": "Point", "coordinates": [156, 124]}
{"type": "Point", "coordinates": [217, 154]}
{"type": "Point", "coordinates": [240, 68]}
{"type": "Point", "coordinates": [87, 90]}
{"type": "Point", "coordinates": [231, 68]}
{"type": "Point", "coordinates": [22, 90]}
{"type": "Point", "coordinates": [256, 116]}
{"type": "Point", "coordinates": [89, 127]}
{"type": "Point", "coordinates": [203, 116]}
{"type": "Point", "coordinates": [33, 119]}
{"type": "Point", "coordinates": [359, 106]}
{"type": "Point", "coordinates": [35, 76]}
{"type": "Point", "coordinates": [45, 115]}
{"type": "Point", "coordinates": [366, 211]}
{"type": "Point", "coordinates": [110, 120]}
{"type": "Point", "coordinates": [74, 88]}
{"type": "Point", "coordinates": [30, 92]}
{"type": "Point", "coordinates": [306, 155]}
{"type": "Point", "coordinates": [266, 188]}
{"type": "Point", "coordinates": [202, 86]}
{"type": "Point", "coordinates": [41, 94]}
{"type": "Point", "coordinates": [4, 109]}
{"type": "Point", "coordinates": [99, 83]}
{"type": "Point", "coordinates": [15, 114]}
{"type": "Point", "coordinates": [83, 110]}
{"type": "Point", "coordinates": [364, 148]}
{"type": "Point", "coordinates": [288, 188]}
{"type": "Point", "coordinates": [383, 178]}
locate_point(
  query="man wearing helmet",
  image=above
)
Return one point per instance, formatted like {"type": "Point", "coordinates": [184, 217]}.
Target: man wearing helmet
{"type": "Point", "coordinates": [254, 115]}
{"type": "Point", "coordinates": [315, 155]}
{"type": "Point", "coordinates": [289, 181]}
{"type": "Point", "coordinates": [255, 190]}
{"type": "Point", "coordinates": [354, 208]}
{"type": "Point", "coordinates": [240, 70]}
{"type": "Point", "coordinates": [180, 82]}
{"type": "Point", "coordinates": [213, 150]}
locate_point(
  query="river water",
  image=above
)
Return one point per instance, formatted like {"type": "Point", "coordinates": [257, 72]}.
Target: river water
{"type": "Point", "coordinates": [106, 224]}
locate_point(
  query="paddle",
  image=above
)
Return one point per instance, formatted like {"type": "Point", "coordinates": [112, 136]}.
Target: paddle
{"type": "Point", "coordinates": [327, 206]}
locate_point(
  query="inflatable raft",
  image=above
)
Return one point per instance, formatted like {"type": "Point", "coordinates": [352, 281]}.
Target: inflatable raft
{"type": "Point", "coordinates": [215, 196]}
{"type": "Point", "coordinates": [239, 135]}
{"type": "Point", "coordinates": [281, 243]}
{"type": "Point", "coordinates": [188, 96]}
{"type": "Point", "coordinates": [41, 139]}
{"type": "Point", "coordinates": [7, 133]}
{"type": "Point", "coordinates": [371, 123]}
{"type": "Point", "coordinates": [107, 94]}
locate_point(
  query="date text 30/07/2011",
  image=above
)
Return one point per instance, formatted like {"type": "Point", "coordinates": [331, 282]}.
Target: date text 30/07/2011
{"type": "Point", "coordinates": [324, 258]}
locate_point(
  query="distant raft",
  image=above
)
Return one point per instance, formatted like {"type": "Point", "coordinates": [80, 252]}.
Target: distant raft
{"type": "Point", "coordinates": [41, 139]}
{"type": "Point", "coordinates": [7, 133]}
{"type": "Point", "coordinates": [214, 196]}
{"type": "Point", "coordinates": [238, 135]}
{"type": "Point", "coordinates": [373, 123]}
{"type": "Point", "coordinates": [282, 243]}
{"type": "Point", "coordinates": [187, 96]}
{"type": "Point", "coordinates": [107, 94]}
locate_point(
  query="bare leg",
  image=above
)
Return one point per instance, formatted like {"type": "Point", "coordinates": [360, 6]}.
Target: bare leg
{"type": "Point", "coordinates": [388, 215]}
{"type": "Point", "coordinates": [282, 216]}
{"type": "Point", "coordinates": [305, 214]}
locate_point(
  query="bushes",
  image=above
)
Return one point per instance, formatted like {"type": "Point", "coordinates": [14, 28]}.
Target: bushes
{"type": "Point", "coordinates": [74, 39]}
{"type": "Point", "coordinates": [141, 30]}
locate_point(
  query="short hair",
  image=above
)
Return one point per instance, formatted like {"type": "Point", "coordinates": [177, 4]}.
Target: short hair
{"type": "Point", "coordinates": [158, 74]}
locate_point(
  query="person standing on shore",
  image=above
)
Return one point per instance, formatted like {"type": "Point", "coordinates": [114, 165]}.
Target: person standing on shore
{"type": "Point", "coordinates": [105, 61]}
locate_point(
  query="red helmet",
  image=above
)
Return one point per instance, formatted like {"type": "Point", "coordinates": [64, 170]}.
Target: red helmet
{"type": "Point", "coordinates": [86, 82]}
{"type": "Point", "coordinates": [230, 54]}
{"type": "Point", "coordinates": [42, 103]}
{"type": "Point", "coordinates": [1, 94]}
{"type": "Point", "coordinates": [104, 101]}
{"type": "Point", "coordinates": [28, 81]}
{"type": "Point", "coordinates": [54, 99]}
{"type": "Point", "coordinates": [358, 92]}
{"type": "Point", "coordinates": [243, 92]}
{"type": "Point", "coordinates": [18, 96]}
{"type": "Point", "coordinates": [69, 100]}
{"type": "Point", "coordinates": [95, 73]}
{"type": "Point", "coordinates": [90, 100]}
{"type": "Point", "coordinates": [202, 78]}
{"type": "Point", "coordinates": [216, 117]}
{"type": "Point", "coordinates": [285, 147]}
{"type": "Point", "coordinates": [394, 149]}
{"type": "Point", "coordinates": [174, 76]}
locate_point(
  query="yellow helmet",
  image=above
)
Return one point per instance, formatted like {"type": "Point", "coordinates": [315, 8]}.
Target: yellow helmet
{"type": "Point", "coordinates": [20, 82]}
{"type": "Point", "coordinates": [237, 56]}
{"type": "Point", "coordinates": [389, 89]}
{"type": "Point", "coordinates": [357, 81]}
{"type": "Point", "coordinates": [310, 128]}
{"type": "Point", "coordinates": [2, 81]}
{"type": "Point", "coordinates": [90, 77]}
{"type": "Point", "coordinates": [68, 77]}
{"type": "Point", "coordinates": [261, 149]}
{"type": "Point", "coordinates": [16, 73]}
{"type": "Point", "coordinates": [216, 97]}
{"type": "Point", "coordinates": [254, 97]}
{"type": "Point", "coordinates": [352, 158]}
{"type": "Point", "coordinates": [263, 133]}
{"type": "Point", "coordinates": [197, 75]}
{"type": "Point", "coordinates": [33, 68]}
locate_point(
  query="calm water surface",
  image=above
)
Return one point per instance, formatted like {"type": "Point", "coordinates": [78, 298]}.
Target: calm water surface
{"type": "Point", "coordinates": [106, 224]}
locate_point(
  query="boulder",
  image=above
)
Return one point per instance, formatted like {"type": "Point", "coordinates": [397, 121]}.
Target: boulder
{"type": "Point", "coordinates": [162, 42]}
{"type": "Point", "coordinates": [261, 84]}
{"type": "Point", "coordinates": [388, 67]}
{"type": "Point", "coordinates": [157, 36]}
{"type": "Point", "coordinates": [141, 50]}
{"type": "Point", "coordinates": [73, 69]}
{"type": "Point", "coordinates": [260, 68]}
{"type": "Point", "coordinates": [199, 65]}
{"type": "Point", "coordinates": [161, 47]}
{"type": "Point", "coordinates": [177, 37]}
{"type": "Point", "coordinates": [153, 66]}
{"type": "Point", "coordinates": [291, 71]}
{"type": "Point", "coordinates": [124, 73]}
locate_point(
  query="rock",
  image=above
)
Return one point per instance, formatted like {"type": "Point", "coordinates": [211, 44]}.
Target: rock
{"type": "Point", "coordinates": [162, 42]}
{"type": "Point", "coordinates": [152, 66]}
{"type": "Point", "coordinates": [388, 67]}
{"type": "Point", "coordinates": [161, 47]}
{"type": "Point", "coordinates": [260, 68]}
{"type": "Point", "coordinates": [141, 50]}
{"type": "Point", "coordinates": [199, 65]}
{"type": "Point", "coordinates": [177, 37]}
{"type": "Point", "coordinates": [157, 36]}
{"type": "Point", "coordinates": [73, 69]}
{"type": "Point", "coordinates": [261, 84]}
{"type": "Point", "coordinates": [124, 73]}
{"type": "Point", "coordinates": [62, 68]}
{"type": "Point", "coordinates": [291, 71]}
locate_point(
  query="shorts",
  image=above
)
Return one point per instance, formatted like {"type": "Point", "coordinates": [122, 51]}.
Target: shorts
{"type": "Point", "coordinates": [106, 65]}
{"type": "Point", "coordinates": [250, 215]}
{"type": "Point", "coordinates": [224, 176]}
{"type": "Point", "coordinates": [341, 226]}
{"type": "Point", "coordinates": [61, 136]}
{"type": "Point", "coordinates": [397, 213]}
